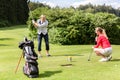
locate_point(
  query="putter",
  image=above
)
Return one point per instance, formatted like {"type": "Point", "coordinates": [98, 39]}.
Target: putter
{"type": "Point", "coordinates": [89, 57]}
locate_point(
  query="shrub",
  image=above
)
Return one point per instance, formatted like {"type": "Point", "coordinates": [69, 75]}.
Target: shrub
{"type": "Point", "coordinates": [4, 23]}
{"type": "Point", "coordinates": [69, 26]}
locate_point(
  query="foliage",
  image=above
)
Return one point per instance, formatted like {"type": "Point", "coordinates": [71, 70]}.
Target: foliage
{"type": "Point", "coordinates": [71, 26]}
{"type": "Point", "coordinates": [99, 8]}
{"type": "Point", "coordinates": [34, 5]}
{"type": "Point", "coordinates": [13, 12]}
{"type": "Point", "coordinates": [110, 23]}
{"type": "Point", "coordinates": [4, 23]}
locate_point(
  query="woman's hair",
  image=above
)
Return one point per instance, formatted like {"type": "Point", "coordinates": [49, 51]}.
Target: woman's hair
{"type": "Point", "coordinates": [101, 30]}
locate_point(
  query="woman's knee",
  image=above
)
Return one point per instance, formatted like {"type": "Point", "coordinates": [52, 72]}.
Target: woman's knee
{"type": "Point", "coordinates": [97, 53]}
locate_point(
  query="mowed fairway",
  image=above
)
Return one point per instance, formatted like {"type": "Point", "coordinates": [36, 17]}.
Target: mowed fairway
{"type": "Point", "coordinates": [50, 67]}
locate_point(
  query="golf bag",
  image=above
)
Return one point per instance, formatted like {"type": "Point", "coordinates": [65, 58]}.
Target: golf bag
{"type": "Point", "coordinates": [31, 65]}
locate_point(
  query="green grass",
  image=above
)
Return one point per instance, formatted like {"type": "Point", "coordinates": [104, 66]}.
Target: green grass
{"type": "Point", "coordinates": [50, 67]}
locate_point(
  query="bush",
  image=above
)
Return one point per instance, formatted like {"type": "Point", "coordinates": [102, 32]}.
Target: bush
{"type": "Point", "coordinates": [4, 23]}
{"type": "Point", "coordinates": [110, 23]}
{"type": "Point", "coordinates": [69, 26]}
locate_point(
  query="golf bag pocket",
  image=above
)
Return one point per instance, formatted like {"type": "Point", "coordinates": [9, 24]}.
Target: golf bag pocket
{"type": "Point", "coordinates": [31, 70]}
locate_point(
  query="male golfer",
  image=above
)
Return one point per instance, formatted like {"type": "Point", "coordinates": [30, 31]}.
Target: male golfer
{"type": "Point", "coordinates": [41, 26]}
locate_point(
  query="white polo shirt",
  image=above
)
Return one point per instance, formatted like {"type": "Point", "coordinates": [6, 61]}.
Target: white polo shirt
{"type": "Point", "coordinates": [42, 27]}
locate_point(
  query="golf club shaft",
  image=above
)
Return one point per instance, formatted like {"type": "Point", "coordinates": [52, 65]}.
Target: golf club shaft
{"type": "Point", "coordinates": [89, 57]}
{"type": "Point", "coordinates": [31, 13]}
{"type": "Point", "coordinates": [29, 9]}
{"type": "Point", "coordinates": [18, 63]}
{"type": "Point", "coordinates": [92, 50]}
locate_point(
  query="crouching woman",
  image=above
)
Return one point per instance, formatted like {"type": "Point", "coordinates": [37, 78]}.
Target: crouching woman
{"type": "Point", "coordinates": [102, 41]}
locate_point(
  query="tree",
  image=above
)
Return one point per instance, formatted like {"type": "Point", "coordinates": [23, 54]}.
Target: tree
{"type": "Point", "coordinates": [13, 12]}
{"type": "Point", "coordinates": [99, 8]}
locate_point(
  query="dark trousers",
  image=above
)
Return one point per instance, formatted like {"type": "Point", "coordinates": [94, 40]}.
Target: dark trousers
{"type": "Point", "coordinates": [40, 41]}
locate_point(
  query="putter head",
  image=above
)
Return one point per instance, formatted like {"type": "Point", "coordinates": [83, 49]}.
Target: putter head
{"type": "Point", "coordinates": [88, 59]}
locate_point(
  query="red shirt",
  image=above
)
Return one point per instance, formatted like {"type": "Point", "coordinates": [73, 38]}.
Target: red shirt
{"type": "Point", "coordinates": [103, 42]}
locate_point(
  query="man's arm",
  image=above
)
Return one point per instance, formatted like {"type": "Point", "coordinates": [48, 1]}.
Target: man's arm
{"type": "Point", "coordinates": [40, 25]}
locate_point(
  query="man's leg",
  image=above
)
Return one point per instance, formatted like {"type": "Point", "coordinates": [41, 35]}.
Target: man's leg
{"type": "Point", "coordinates": [47, 44]}
{"type": "Point", "coordinates": [39, 44]}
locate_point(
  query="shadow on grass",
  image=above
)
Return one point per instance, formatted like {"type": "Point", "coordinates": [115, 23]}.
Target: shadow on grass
{"type": "Point", "coordinates": [13, 27]}
{"type": "Point", "coordinates": [69, 55]}
{"type": "Point", "coordinates": [73, 55]}
{"type": "Point", "coordinates": [49, 73]}
{"type": "Point", "coordinates": [3, 45]}
{"type": "Point", "coordinates": [114, 60]}
{"type": "Point", "coordinates": [3, 39]}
